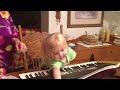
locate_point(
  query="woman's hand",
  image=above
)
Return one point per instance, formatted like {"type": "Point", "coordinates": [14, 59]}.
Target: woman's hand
{"type": "Point", "coordinates": [20, 46]}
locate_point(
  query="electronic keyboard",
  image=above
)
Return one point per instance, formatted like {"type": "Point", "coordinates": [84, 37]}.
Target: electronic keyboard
{"type": "Point", "coordinates": [76, 71]}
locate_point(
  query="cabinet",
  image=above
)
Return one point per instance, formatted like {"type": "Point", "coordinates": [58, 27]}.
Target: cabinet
{"type": "Point", "coordinates": [104, 53]}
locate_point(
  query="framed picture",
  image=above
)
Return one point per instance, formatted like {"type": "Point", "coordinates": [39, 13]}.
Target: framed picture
{"type": "Point", "coordinates": [78, 19]}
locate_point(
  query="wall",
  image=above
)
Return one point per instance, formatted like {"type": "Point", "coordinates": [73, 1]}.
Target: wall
{"type": "Point", "coordinates": [44, 21]}
{"type": "Point", "coordinates": [51, 26]}
{"type": "Point", "coordinates": [112, 18]}
{"type": "Point", "coordinates": [70, 32]}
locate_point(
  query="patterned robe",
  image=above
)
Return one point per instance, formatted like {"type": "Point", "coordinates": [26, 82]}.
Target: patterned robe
{"type": "Point", "coordinates": [7, 46]}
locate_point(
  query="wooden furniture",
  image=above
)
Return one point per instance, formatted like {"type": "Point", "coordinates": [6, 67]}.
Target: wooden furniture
{"type": "Point", "coordinates": [105, 54]}
{"type": "Point", "coordinates": [23, 54]}
{"type": "Point", "coordinates": [34, 53]}
{"type": "Point", "coordinates": [102, 53]}
{"type": "Point", "coordinates": [35, 48]}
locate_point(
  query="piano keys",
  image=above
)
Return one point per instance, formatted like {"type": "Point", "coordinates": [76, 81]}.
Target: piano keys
{"type": "Point", "coordinates": [77, 71]}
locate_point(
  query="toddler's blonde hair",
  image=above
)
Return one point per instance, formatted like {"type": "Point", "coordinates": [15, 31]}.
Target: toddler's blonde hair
{"type": "Point", "coordinates": [51, 43]}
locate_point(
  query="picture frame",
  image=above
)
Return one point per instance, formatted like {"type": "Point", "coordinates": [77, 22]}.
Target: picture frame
{"type": "Point", "coordinates": [76, 19]}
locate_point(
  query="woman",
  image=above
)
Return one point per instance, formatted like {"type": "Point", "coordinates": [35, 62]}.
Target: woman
{"type": "Point", "coordinates": [9, 40]}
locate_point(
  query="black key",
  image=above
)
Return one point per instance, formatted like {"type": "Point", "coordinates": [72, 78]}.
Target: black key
{"type": "Point", "coordinates": [43, 74]}
{"type": "Point", "coordinates": [27, 77]}
{"type": "Point", "coordinates": [30, 75]}
{"type": "Point", "coordinates": [39, 74]}
{"type": "Point", "coordinates": [36, 75]}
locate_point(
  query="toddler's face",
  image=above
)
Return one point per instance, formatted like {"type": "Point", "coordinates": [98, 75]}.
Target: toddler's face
{"type": "Point", "coordinates": [60, 53]}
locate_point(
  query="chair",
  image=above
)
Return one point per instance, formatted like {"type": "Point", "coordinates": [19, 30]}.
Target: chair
{"type": "Point", "coordinates": [34, 53]}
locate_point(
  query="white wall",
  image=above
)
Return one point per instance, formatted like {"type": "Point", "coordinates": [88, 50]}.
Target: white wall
{"type": "Point", "coordinates": [112, 18]}
{"type": "Point", "coordinates": [44, 21]}
{"type": "Point", "coordinates": [71, 32]}
{"type": "Point", "coordinates": [50, 24]}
